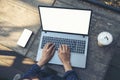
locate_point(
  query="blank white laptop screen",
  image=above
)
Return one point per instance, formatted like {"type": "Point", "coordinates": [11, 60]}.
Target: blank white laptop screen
{"type": "Point", "coordinates": [65, 20]}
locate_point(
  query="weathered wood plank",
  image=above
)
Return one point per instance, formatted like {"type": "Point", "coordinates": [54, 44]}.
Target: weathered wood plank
{"type": "Point", "coordinates": [4, 48]}
{"type": "Point", "coordinates": [15, 15]}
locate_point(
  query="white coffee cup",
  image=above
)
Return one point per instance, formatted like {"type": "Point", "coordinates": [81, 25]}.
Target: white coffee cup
{"type": "Point", "coordinates": [104, 39]}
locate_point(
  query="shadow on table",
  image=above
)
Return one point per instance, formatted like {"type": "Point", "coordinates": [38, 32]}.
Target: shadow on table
{"type": "Point", "coordinates": [12, 63]}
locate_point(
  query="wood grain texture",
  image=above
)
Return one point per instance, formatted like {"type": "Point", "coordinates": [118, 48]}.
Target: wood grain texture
{"type": "Point", "coordinates": [15, 16]}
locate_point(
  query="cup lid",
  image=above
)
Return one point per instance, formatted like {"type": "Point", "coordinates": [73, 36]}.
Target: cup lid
{"type": "Point", "coordinates": [105, 38]}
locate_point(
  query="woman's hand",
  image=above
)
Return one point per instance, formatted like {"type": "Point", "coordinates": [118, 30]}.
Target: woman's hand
{"type": "Point", "coordinates": [64, 55]}
{"type": "Point", "coordinates": [47, 53]}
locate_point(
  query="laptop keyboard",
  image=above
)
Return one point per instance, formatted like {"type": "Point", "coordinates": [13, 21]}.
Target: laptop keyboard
{"type": "Point", "coordinates": [76, 46]}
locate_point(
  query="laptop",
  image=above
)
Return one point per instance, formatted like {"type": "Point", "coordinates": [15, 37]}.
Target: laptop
{"type": "Point", "coordinates": [65, 26]}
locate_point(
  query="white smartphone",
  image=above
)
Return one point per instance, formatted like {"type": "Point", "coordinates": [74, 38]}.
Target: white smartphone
{"type": "Point", "coordinates": [24, 37]}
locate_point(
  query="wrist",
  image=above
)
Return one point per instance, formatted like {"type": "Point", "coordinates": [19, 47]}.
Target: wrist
{"type": "Point", "coordinates": [40, 63]}
{"type": "Point", "coordinates": [67, 66]}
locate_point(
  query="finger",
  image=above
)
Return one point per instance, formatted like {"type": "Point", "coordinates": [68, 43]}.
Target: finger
{"type": "Point", "coordinates": [63, 46]}
{"type": "Point", "coordinates": [48, 45]}
{"type": "Point", "coordinates": [45, 46]}
{"type": "Point", "coordinates": [66, 47]}
{"type": "Point", "coordinates": [51, 47]}
{"type": "Point", "coordinates": [60, 48]}
{"type": "Point", "coordinates": [53, 51]}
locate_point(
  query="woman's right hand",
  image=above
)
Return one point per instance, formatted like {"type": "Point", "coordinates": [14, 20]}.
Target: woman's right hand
{"type": "Point", "coordinates": [64, 55]}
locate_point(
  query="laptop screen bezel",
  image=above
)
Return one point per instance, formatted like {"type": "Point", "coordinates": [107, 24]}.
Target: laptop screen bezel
{"type": "Point", "coordinates": [64, 8]}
